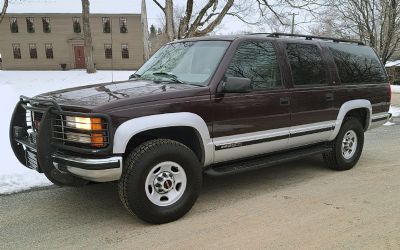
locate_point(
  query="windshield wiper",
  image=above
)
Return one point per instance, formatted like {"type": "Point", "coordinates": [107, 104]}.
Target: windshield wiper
{"type": "Point", "coordinates": [170, 76]}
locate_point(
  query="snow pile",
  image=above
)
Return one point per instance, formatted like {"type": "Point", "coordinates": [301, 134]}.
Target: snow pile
{"type": "Point", "coordinates": [395, 111]}
{"type": "Point", "coordinates": [395, 88]}
{"type": "Point", "coordinates": [14, 177]}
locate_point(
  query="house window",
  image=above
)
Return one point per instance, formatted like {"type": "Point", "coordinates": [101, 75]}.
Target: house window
{"type": "Point", "coordinates": [33, 51]}
{"type": "Point", "coordinates": [16, 50]}
{"type": "Point", "coordinates": [46, 24]}
{"type": "Point", "coordinates": [76, 24]}
{"type": "Point", "coordinates": [125, 51]}
{"type": "Point", "coordinates": [123, 27]}
{"type": "Point", "coordinates": [13, 25]}
{"type": "Point", "coordinates": [108, 51]}
{"type": "Point", "coordinates": [106, 25]}
{"type": "Point", "coordinates": [30, 26]}
{"type": "Point", "coordinates": [49, 50]}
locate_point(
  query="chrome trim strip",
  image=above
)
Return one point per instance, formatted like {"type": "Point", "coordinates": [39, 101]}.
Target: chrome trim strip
{"type": "Point", "coordinates": [247, 139]}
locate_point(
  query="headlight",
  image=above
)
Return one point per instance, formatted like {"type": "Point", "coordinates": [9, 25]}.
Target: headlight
{"type": "Point", "coordinates": [95, 133]}
{"type": "Point", "coordinates": [84, 123]}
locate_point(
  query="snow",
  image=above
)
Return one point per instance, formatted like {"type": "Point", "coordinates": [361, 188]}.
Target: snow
{"type": "Point", "coordinates": [393, 63]}
{"type": "Point", "coordinates": [395, 88]}
{"type": "Point", "coordinates": [74, 6]}
{"type": "Point", "coordinates": [395, 111]}
{"type": "Point", "coordinates": [14, 177]}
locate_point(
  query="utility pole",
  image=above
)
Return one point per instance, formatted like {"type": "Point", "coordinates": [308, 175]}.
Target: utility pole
{"type": "Point", "coordinates": [293, 15]}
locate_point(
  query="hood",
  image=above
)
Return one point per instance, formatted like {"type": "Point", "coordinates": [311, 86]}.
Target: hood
{"type": "Point", "coordinates": [118, 93]}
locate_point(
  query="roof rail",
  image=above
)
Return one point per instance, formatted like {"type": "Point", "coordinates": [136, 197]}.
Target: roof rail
{"type": "Point", "coordinates": [310, 37]}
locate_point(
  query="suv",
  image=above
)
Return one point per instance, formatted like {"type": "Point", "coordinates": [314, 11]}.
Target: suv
{"type": "Point", "coordinates": [215, 105]}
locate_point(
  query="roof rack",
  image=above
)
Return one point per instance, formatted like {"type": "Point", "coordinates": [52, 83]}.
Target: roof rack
{"type": "Point", "coordinates": [310, 37]}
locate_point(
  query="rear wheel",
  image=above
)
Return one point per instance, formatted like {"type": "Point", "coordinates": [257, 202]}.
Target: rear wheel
{"type": "Point", "coordinates": [347, 147]}
{"type": "Point", "coordinates": [161, 181]}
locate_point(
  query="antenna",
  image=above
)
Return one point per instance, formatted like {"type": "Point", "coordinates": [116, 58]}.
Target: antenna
{"type": "Point", "coordinates": [112, 51]}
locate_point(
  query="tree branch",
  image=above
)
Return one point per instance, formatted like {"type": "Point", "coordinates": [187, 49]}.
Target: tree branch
{"type": "Point", "coordinates": [159, 5]}
{"type": "Point", "coordinates": [3, 11]}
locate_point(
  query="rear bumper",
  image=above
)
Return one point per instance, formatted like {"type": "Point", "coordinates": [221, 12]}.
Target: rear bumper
{"type": "Point", "coordinates": [99, 169]}
{"type": "Point", "coordinates": [379, 119]}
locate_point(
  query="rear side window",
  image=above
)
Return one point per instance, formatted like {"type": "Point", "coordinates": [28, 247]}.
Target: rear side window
{"type": "Point", "coordinates": [257, 61]}
{"type": "Point", "coordinates": [306, 64]}
{"type": "Point", "coordinates": [357, 64]}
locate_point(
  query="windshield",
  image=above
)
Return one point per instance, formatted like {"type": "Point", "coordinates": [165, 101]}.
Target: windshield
{"type": "Point", "coordinates": [184, 62]}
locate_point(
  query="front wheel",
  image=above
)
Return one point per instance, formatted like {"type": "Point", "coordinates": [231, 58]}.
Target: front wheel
{"type": "Point", "coordinates": [347, 146]}
{"type": "Point", "coordinates": [161, 181]}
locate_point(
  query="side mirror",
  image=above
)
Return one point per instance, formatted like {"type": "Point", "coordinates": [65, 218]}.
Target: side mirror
{"type": "Point", "coordinates": [236, 85]}
{"type": "Point", "coordinates": [133, 76]}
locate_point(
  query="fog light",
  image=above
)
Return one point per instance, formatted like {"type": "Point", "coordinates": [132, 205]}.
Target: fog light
{"type": "Point", "coordinates": [77, 137]}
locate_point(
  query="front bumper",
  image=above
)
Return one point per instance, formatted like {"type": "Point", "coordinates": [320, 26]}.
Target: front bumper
{"type": "Point", "coordinates": [36, 149]}
{"type": "Point", "coordinates": [99, 169]}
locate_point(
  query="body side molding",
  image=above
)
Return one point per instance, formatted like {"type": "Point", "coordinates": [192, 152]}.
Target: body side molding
{"type": "Point", "coordinates": [348, 106]}
{"type": "Point", "coordinates": [134, 126]}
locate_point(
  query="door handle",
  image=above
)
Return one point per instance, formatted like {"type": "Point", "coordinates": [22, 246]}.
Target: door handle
{"type": "Point", "coordinates": [284, 101]}
{"type": "Point", "coordinates": [329, 97]}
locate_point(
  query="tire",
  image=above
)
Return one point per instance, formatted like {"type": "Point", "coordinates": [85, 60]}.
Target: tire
{"type": "Point", "coordinates": [152, 169]}
{"type": "Point", "coordinates": [345, 155]}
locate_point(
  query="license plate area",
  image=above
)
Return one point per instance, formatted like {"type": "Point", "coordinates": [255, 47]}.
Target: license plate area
{"type": "Point", "coordinates": [31, 159]}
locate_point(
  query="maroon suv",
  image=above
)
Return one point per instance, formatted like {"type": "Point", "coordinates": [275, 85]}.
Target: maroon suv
{"type": "Point", "coordinates": [214, 105]}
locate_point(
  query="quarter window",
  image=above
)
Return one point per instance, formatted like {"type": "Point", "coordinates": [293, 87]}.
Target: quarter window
{"type": "Point", "coordinates": [49, 50]}
{"type": "Point", "coordinates": [30, 24]}
{"type": "Point", "coordinates": [306, 64]}
{"type": "Point", "coordinates": [123, 26]}
{"type": "Point", "coordinates": [46, 24]}
{"type": "Point", "coordinates": [13, 25]}
{"type": "Point", "coordinates": [16, 50]}
{"type": "Point", "coordinates": [106, 25]}
{"type": "Point", "coordinates": [257, 61]}
{"type": "Point", "coordinates": [108, 51]}
{"type": "Point", "coordinates": [357, 64]}
{"type": "Point", "coordinates": [125, 51]}
{"type": "Point", "coordinates": [76, 24]}
{"type": "Point", "coordinates": [33, 51]}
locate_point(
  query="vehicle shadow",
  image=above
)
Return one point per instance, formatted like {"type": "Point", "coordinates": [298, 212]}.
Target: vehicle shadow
{"type": "Point", "coordinates": [101, 201]}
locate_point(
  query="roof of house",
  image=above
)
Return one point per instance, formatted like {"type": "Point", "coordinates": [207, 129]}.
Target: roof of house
{"type": "Point", "coordinates": [74, 6]}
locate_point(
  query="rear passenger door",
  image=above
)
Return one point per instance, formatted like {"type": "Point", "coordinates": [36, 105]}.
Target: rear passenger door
{"type": "Point", "coordinates": [312, 96]}
{"type": "Point", "coordinates": [257, 122]}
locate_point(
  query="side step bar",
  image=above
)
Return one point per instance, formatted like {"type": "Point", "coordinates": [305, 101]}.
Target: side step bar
{"type": "Point", "coordinates": [236, 167]}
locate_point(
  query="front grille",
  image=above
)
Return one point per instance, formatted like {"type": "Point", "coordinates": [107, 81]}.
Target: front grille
{"type": "Point", "coordinates": [65, 133]}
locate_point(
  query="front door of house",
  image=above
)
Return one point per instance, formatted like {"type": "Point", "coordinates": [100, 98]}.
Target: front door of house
{"type": "Point", "coordinates": [79, 57]}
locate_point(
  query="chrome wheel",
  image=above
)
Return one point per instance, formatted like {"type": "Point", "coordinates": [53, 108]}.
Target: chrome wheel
{"type": "Point", "coordinates": [165, 183]}
{"type": "Point", "coordinates": [349, 144]}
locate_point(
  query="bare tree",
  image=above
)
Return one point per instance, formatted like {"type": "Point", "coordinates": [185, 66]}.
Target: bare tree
{"type": "Point", "coordinates": [87, 34]}
{"type": "Point", "coordinates": [375, 22]}
{"type": "Point", "coordinates": [193, 24]}
{"type": "Point", "coordinates": [3, 10]}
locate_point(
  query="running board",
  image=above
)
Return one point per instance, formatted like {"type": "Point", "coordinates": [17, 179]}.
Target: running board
{"type": "Point", "coordinates": [236, 167]}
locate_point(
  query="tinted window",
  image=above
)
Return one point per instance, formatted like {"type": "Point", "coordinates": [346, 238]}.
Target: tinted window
{"type": "Point", "coordinates": [306, 64]}
{"type": "Point", "coordinates": [257, 61]}
{"type": "Point", "coordinates": [357, 64]}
